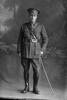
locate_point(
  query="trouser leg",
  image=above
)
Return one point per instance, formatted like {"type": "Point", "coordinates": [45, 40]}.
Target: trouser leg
{"type": "Point", "coordinates": [36, 68]}
{"type": "Point", "coordinates": [26, 66]}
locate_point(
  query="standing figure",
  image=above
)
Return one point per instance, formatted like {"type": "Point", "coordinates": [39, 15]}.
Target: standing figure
{"type": "Point", "coordinates": [31, 44]}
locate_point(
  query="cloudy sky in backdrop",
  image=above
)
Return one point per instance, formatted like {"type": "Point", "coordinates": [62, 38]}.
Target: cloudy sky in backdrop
{"type": "Point", "coordinates": [13, 13]}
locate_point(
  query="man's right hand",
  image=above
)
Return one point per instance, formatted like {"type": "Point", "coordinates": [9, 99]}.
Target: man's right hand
{"type": "Point", "coordinates": [18, 52]}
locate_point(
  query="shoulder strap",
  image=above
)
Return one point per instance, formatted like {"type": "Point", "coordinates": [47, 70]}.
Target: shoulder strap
{"type": "Point", "coordinates": [31, 32]}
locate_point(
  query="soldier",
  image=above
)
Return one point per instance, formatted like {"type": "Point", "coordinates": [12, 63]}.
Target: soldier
{"type": "Point", "coordinates": [31, 44]}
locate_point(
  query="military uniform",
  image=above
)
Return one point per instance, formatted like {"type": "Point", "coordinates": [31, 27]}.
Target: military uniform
{"type": "Point", "coordinates": [31, 41]}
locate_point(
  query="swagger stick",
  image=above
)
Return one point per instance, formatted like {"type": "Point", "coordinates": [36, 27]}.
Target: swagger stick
{"type": "Point", "coordinates": [46, 74]}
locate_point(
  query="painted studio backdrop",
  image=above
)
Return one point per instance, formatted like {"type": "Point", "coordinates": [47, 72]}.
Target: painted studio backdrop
{"type": "Point", "coordinates": [12, 15]}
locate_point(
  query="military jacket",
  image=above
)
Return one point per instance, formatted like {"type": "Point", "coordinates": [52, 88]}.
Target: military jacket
{"type": "Point", "coordinates": [32, 41]}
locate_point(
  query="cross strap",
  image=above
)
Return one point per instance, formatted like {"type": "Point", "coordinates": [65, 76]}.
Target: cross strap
{"type": "Point", "coordinates": [31, 31]}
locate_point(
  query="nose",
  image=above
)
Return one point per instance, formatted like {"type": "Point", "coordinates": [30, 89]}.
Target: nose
{"type": "Point", "coordinates": [32, 17]}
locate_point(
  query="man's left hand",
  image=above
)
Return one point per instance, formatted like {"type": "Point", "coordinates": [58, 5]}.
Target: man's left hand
{"type": "Point", "coordinates": [41, 52]}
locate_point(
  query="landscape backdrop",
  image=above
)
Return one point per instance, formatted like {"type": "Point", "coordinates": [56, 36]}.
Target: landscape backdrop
{"type": "Point", "coordinates": [13, 13]}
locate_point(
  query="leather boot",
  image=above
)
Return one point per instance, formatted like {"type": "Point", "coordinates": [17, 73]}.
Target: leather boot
{"type": "Point", "coordinates": [35, 89]}
{"type": "Point", "coordinates": [26, 89]}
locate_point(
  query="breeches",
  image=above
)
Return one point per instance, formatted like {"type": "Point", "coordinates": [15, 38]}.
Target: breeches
{"type": "Point", "coordinates": [26, 65]}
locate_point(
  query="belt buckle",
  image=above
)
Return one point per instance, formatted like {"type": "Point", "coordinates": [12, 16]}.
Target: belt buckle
{"type": "Point", "coordinates": [34, 40]}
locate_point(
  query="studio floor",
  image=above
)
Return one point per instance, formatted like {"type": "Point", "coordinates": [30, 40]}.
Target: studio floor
{"type": "Point", "coordinates": [12, 91]}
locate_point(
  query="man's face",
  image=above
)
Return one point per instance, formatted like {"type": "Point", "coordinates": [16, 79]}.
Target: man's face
{"type": "Point", "coordinates": [33, 18]}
